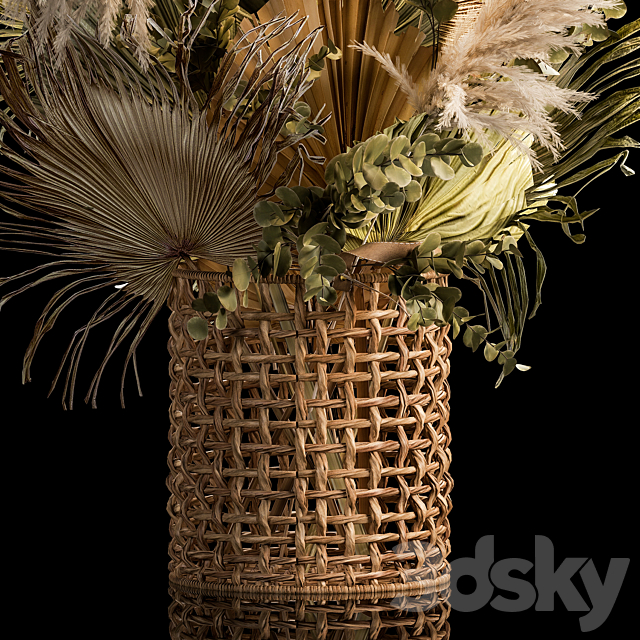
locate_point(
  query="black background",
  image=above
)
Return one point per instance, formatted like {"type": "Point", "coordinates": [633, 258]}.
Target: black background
{"type": "Point", "coordinates": [548, 453]}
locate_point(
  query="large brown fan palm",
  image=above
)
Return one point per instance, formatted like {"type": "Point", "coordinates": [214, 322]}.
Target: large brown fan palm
{"type": "Point", "coordinates": [130, 187]}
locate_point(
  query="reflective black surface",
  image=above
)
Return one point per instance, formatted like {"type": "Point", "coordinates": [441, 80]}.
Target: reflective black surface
{"type": "Point", "coordinates": [279, 618]}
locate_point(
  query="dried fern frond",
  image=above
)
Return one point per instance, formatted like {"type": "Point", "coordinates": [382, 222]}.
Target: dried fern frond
{"type": "Point", "coordinates": [475, 85]}
{"type": "Point", "coordinates": [129, 187]}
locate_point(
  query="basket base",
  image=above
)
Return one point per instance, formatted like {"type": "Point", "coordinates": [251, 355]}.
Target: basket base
{"type": "Point", "coordinates": [365, 591]}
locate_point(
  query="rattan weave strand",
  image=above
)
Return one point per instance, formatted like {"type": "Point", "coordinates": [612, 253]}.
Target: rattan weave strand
{"type": "Point", "coordinates": [309, 447]}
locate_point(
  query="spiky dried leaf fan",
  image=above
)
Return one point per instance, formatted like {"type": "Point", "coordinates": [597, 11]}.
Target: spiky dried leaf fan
{"type": "Point", "coordinates": [129, 188]}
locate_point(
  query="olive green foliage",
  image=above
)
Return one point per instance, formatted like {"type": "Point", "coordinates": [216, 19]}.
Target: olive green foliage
{"type": "Point", "coordinates": [426, 15]}
{"type": "Point", "coordinates": [360, 188]}
{"type": "Point", "coordinates": [216, 24]}
{"type": "Point", "coordinates": [370, 179]}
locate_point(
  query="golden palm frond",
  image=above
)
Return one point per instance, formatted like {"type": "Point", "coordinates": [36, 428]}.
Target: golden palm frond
{"type": "Point", "coordinates": [354, 89]}
{"type": "Point", "coordinates": [129, 187]}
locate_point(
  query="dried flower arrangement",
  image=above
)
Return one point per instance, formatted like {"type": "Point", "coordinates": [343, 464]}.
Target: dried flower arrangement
{"type": "Point", "coordinates": [453, 126]}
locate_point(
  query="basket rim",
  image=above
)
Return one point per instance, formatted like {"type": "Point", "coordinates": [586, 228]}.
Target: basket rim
{"type": "Point", "coordinates": [293, 278]}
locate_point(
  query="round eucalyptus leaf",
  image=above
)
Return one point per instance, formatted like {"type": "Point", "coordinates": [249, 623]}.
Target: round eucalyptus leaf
{"type": "Point", "coordinates": [410, 167]}
{"type": "Point", "coordinates": [359, 180]}
{"type": "Point", "coordinates": [221, 319]}
{"type": "Point", "coordinates": [453, 145]}
{"type": "Point", "coordinates": [308, 267]}
{"type": "Point", "coordinates": [429, 244]}
{"type": "Point", "coordinates": [327, 271]}
{"type": "Point", "coordinates": [284, 261]}
{"type": "Point", "coordinates": [199, 305]}
{"type": "Point", "coordinates": [374, 176]}
{"type": "Point", "coordinates": [375, 146]}
{"type": "Point", "coordinates": [265, 211]}
{"type": "Point", "coordinates": [414, 321]}
{"type": "Point", "coordinates": [413, 191]}
{"type": "Point", "coordinates": [398, 175]}
{"type": "Point", "coordinates": [289, 197]}
{"type": "Point", "coordinates": [303, 109]}
{"type": "Point", "coordinates": [327, 243]}
{"type": "Point", "coordinates": [395, 286]}
{"type": "Point", "coordinates": [241, 274]}
{"type": "Point", "coordinates": [332, 260]}
{"type": "Point", "coordinates": [312, 292]}
{"type": "Point", "coordinates": [211, 301]}
{"type": "Point", "coordinates": [313, 231]}
{"type": "Point", "coordinates": [395, 200]}
{"type": "Point", "coordinates": [490, 352]}
{"type": "Point", "coordinates": [473, 153]}
{"type": "Point", "coordinates": [440, 169]}
{"type": "Point", "coordinates": [328, 296]}
{"type": "Point", "coordinates": [429, 139]}
{"type": "Point", "coordinates": [444, 10]}
{"type": "Point", "coordinates": [357, 203]}
{"type": "Point", "coordinates": [509, 366]}
{"type": "Point", "coordinates": [399, 146]}
{"type": "Point", "coordinates": [198, 328]}
{"type": "Point", "coordinates": [271, 236]}
{"type": "Point", "coordinates": [228, 298]}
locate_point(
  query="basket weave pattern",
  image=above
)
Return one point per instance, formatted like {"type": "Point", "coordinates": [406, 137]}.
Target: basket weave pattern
{"type": "Point", "coordinates": [309, 449]}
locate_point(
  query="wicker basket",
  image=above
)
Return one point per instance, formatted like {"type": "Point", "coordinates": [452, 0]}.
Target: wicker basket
{"type": "Point", "coordinates": [193, 614]}
{"type": "Point", "coordinates": [309, 446]}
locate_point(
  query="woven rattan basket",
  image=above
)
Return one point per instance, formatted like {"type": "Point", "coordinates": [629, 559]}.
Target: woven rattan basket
{"type": "Point", "coordinates": [421, 616]}
{"type": "Point", "coordinates": [309, 446]}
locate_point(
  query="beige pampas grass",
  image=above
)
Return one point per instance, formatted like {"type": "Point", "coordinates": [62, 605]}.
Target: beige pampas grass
{"type": "Point", "coordinates": [475, 85]}
{"type": "Point", "coordinates": [63, 12]}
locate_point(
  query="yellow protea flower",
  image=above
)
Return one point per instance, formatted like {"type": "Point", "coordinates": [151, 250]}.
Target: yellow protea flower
{"type": "Point", "coordinates": [477, 204]}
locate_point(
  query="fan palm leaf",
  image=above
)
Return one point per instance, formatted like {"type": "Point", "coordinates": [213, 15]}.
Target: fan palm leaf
{"type": "Point", "coordinates": [354, 89]}
{"type": "Point", "coordinates": [129, 187]}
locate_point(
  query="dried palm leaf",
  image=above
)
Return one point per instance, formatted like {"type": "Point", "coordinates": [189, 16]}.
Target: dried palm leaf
{"type": "Point", "coordinates": [360, 96]}
{"type": "Point", "coordinates": [128, 188]}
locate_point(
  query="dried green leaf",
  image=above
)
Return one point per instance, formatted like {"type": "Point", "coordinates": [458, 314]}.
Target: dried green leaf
{"type": "Point", "coordinates": [334, 261]}
{"type": "Point", "coordinates": [444, 10]}
{"type": "Point", "coordinates": [413, 191]}
{"type": "Point", "coordinates": [241, 274]}
{"type": "Point", "coordinates": [374, 176]}
{"type": "Point", "coordinates": [397, 175]}
{"type": "Point", "coordinates": [221, 319]}
{"type": "Point", "coordinates": [199, 305]}
{"type": "Point", "coordinates": [211, 302]}
{"type": "Point", "coordinates": [327, 243]}
{"type": "Point", "coordinates": [289, 197]}
{"type": "Point", "coordinates": [228, 298]}
{"type": "Point", "coordinates": [198, 328]}
{"type": "Point", "coordinates": [375, 147]}
{"type": "Point", "coordinates": [490, 352]}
